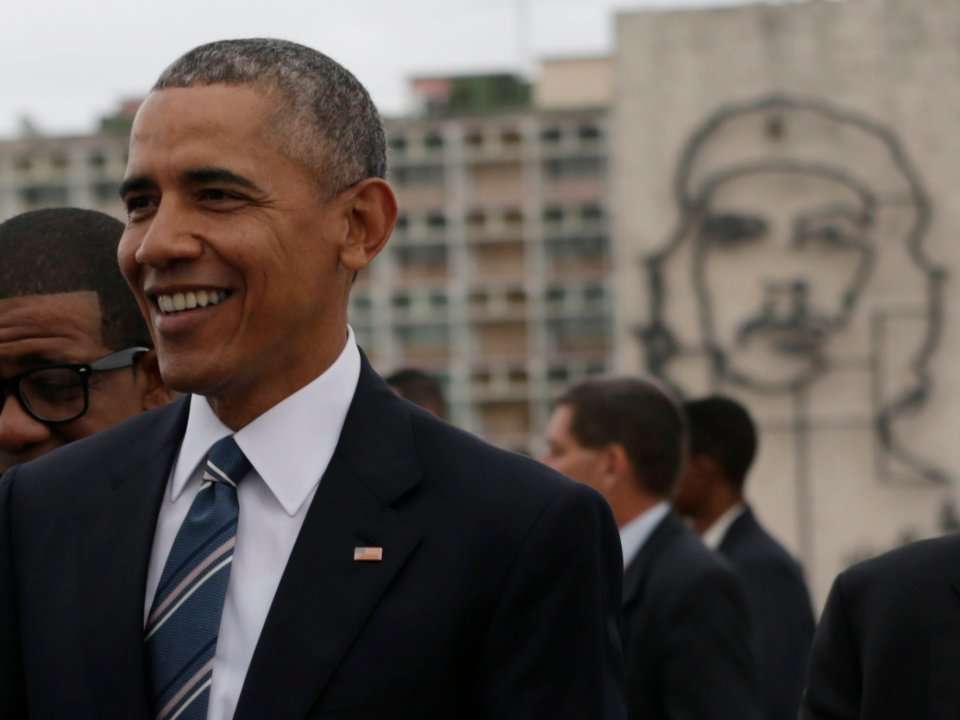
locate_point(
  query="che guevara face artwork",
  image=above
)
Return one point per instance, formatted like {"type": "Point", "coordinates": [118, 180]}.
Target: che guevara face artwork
{"type": "Point", "coordinates": [790, 212]}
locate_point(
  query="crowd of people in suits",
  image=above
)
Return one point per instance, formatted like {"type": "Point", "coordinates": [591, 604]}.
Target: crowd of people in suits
{"type": "Point", "coordinates": [214, 507]}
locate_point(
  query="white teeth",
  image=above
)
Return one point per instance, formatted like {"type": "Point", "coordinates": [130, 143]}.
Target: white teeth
{"type": "Point", "coordinates": [176, 302]}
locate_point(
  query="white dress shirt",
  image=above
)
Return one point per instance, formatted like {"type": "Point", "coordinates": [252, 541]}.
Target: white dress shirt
{"type": "Point", "coordinates": [636, 532]}
{"type": "Point", "coordinates": [289, 447]}
{"type": "Point", "coordinates": [714, 535]}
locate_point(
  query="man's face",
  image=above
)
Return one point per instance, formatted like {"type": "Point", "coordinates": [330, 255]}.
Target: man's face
{"type": "Point", "coordinates": [566, 455]}
{"type": "Point", "coordinates": [40, 330]}
{"type": "Point", "coordinates": [230, 248]}
{"type": "Point", "coordinates": [805, 239]}
{"type": "Point", "coordinates": [693, 488]}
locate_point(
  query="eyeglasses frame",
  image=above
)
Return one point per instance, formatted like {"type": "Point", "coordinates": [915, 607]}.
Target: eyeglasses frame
{"type": "Point", "coordinates": [114, 361]}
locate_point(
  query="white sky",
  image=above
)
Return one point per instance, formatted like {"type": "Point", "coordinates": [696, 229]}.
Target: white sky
{"type": "Point", "coordinates": [64, 63]}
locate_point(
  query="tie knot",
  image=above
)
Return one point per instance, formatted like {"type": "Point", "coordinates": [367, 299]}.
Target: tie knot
{"type": "Point", "coordinates": [226, 462]}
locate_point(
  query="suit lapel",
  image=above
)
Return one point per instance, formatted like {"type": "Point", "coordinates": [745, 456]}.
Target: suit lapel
{"type": "Point", "coordinates": [738, 530]}
{"type": "Point", "coordinates": [119, 547]}
{"type": "Point", "coordinates": [636, 574]}
{"type": "Point", "coordinates": [325, 596]}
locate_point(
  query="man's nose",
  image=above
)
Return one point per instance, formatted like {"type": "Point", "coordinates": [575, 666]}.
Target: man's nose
{"type": "Point", "coordinates": [171, 236]}
{"type": "Point", "coordinates": [18, 430]}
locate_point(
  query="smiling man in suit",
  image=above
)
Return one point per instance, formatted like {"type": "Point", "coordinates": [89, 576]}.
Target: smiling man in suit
{"type": "Point", "coordinates": [291, 539]}
{"type": "Point", "coordinates": [686, 628]}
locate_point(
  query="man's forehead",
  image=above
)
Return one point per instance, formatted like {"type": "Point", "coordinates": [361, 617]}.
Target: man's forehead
{"type": "Point", "coordinates": [55, 326]}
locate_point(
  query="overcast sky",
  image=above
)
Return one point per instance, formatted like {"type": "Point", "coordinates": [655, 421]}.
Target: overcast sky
{"type": "Point", "coordinates": [63, 63]}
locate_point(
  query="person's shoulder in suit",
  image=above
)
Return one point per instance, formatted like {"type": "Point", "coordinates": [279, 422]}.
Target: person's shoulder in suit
{"type": "Point", "coordinates": [497, 490]}
{"type": "Point", "coordinates": [884, 615]}
{"type": "Point", "coordinates": [538, 565]}
{"type": "Point", "coordinates": [687, 567]}
{"type": "Point", "coordinates": [78, 469]}
{"type": "Point", "coordinates": [760, 558]}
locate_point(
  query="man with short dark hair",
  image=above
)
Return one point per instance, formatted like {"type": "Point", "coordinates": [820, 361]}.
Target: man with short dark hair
{"type": "Point", "coordinates": [421, 388]}
{"type": "Point", "coordinates": [291, 539]}
{"type": "Point", "coordinates": [723, 443]}
{"type": "Point", "coordinates": [75, 353]}
{"type": "Point", "coordinates": [685, 624]}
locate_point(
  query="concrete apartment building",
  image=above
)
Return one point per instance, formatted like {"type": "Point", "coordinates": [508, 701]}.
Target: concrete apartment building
{"type": "Point", "coordinates": [497, 276]}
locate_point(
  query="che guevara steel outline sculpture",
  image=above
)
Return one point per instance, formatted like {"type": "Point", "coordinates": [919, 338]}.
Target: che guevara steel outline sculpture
{"type": "Point", "coordinates": [801, 334]}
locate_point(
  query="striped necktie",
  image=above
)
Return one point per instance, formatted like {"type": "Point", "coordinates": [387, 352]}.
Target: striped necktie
{"type": "Point", "coordinates": [181, 631]}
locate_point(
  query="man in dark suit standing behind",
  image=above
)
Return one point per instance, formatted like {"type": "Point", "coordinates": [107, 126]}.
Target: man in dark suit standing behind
{"type": "Point", "coordinates": [723, 443]}
{"type": "Point", "coordinates": [888, 643]}
{"type": "Point", "coordinates": [291, 539]}
{"type": "Point", "coordinates": [685, 624]}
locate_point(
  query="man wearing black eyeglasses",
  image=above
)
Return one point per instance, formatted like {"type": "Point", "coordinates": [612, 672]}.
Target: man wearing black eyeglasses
{"type": "Point", "coordinates": [75, 353]}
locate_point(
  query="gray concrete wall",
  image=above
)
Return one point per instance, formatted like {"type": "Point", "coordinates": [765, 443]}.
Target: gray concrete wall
{"type": "Point", "coordinates": [881, 77]}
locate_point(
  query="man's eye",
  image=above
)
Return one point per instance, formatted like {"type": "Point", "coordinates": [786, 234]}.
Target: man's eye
{"type": "Point", "coordinates": [218, 196]}
{"type": "Point", "coordinates": [139, 205]}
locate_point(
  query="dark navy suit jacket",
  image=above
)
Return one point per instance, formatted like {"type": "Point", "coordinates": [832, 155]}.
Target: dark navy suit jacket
{"type": "Point", "coordinates": [497, 597]}
{"type": "Point", "coordinates": [686, 632]}
{"type": "Point", "coordinates": [780, 611]}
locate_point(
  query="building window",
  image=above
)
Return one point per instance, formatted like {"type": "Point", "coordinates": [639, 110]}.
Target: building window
{"type": "Point", "coordinates": [513, 216]}
{"type": "Point", "coordinates": [575, 167]}
{"type": "Point", "coordinates": [553, 213]}
{"type": "Point", "coordinates": [401, 300]}
{"type": "Point", "coordinates": [403, 221]}
{"type": "Point", "coordinates": [398, 143]}
{"type": "Point", "coordinates": [551, 134]}
{"type": "Point", "coordinates": [59, 160]}
{"type": "Point", "coordinates": [436, 220]}
{"type": "Point", "coordinates": [97, 159]}
{"type": "Point", "coordinates": [476, 218]}
{"type": "Point", "coordinates": [511, 136]}
{"type": "Point", "coordinates": [438, 299]}
{"type": "Point", "coordinates": [589, 132]}
{"type": "Point", "coordinates": [46, 195]}
{"type": "Point", "coordinates": [418, 175]}
{"type": "Point", "coordinates": [473, 138]}
{"type": "Point", "coordinates": [591, 212]}
{"type": "Point", "coordinates": [23, 163]}
{"type": "Point", "coordinates": [433, 140]}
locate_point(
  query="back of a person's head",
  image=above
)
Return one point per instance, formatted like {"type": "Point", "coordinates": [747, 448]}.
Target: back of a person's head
{"type": "Point", "coordinates": [65, 250]}
{"type": "Point", "coordinates": [420, 388]}
{"type": "Point", "coordinates": [722, 429]}
{"type": "Point", "coordinates": [639, 415]}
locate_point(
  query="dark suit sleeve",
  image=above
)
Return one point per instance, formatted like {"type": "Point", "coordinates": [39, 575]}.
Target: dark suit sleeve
{"type": "Point", "coordinates": [708, 671]}
{"type": "Point", "coordinates": [553, 647]}
{"type": "Point", "coordinates": [12, 703]}
{"type": "Point", "coordinates": [833, 679]}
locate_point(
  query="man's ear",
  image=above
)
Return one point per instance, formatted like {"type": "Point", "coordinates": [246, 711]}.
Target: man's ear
{"type": "Point", "coordinates": [154, 392]}
{"type": "Point", "coordinates": [371, 213]}
{"type": "Point", "coordinates": [614, 466]}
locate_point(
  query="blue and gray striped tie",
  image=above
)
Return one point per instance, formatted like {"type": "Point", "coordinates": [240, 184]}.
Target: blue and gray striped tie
{"type": "Point", "coordinates": [181, 632]}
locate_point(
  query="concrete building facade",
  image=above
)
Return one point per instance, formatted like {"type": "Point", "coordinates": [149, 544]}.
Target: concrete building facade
{"type": "Point", "coordinates": [784, 218]}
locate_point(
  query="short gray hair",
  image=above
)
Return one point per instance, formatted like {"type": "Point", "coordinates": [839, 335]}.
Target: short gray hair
{"type": "Point", "coordinates": [326, 117]}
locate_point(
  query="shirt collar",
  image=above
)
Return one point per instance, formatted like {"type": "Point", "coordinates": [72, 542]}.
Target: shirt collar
{"type": "Point", "coordinates": [291, 444]}
{"type": "Point", "coordinates": [715, 534]}
{"type": "Point", "coordinates": [636, 532]}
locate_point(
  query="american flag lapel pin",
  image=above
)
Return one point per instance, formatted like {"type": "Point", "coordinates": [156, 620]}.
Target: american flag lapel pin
{"type": "Point", "coordinates": [368, 554]}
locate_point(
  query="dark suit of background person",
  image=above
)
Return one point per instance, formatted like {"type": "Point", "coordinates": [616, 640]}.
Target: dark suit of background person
{"type": "Point", "coordinates": [432, 576]}
{"type": "Point", "coordinates": [723, 444]}
{"type": "Point", "coordinates": [686, 630]}
{"type": "Point", "coordinates": [888, 643]}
